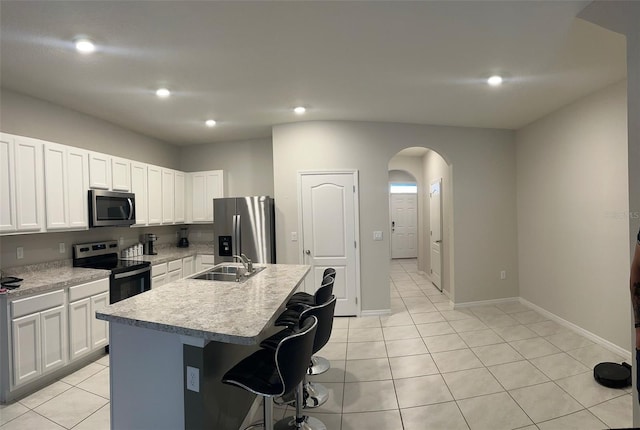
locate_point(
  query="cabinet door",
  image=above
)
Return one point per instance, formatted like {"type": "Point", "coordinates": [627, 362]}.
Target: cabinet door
{"type": "Point", "coordinates": [139, 188]}
{"type": "Point", "coordinates": [99, 328]}
{"type": "Point", "coordinates": [168, 190]}
{"type": "Point", "coordinates": [56, 174]}
{"type": "Point", "coordinates": [120, 174]}
{"type": "Point", "coordinates": [77, 184]}
{"type": "Point", "coordinates": [179, 191]}
{"type": "Point", "coordinates": [214, 191]}
{"type": "Point", "coordinates": [53, 329]}
{"type": "Point", "coordinates": [188, 266]}
{"type": "Point", "coordinates": [176, 275]}
{"type": "Point", "coordinates": [158, 281]}
{"type": "Point", "coordinates": [198, 193]}
{"type": "Point", "coordinates": [99, 171]}
{"type": "Point", "coordinates": [79, 328]}
{"type": "Point", "coordinates": [27, 363]}
{"type": "Point", "coordinates": [29, 185]}
{"type": "Point", "coordinates": [7, 185]}
{"type": "Point", "coordinates": [154, 199]}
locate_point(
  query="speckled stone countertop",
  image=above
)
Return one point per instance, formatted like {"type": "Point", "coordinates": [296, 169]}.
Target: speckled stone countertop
{"type": "Point", "coordinates": [40, 278]}
{"type": "Point", "coordinates": [170, 253]}
{"type": "Point", "coordinates": [227, 312]}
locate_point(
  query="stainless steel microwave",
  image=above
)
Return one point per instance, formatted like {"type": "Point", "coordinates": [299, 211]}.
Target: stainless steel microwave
{"type": "Point", "coordinates": [111, 209]}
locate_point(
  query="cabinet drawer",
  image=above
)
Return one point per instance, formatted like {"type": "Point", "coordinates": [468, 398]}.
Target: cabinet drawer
{"type": "Point", "coordinates": [158, 269]}
{"type": "Point", "coordinates": [34, 304]}
{"type": "Point", "coordinates": [207, 259]}
{"type": "Point", "coordinates": [175, 265]}
{"type": "Point", "coordinates": [87, 290]}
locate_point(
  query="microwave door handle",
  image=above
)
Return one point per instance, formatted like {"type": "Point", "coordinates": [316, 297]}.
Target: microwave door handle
{"type": "Point", "coordinates": [130, 209]}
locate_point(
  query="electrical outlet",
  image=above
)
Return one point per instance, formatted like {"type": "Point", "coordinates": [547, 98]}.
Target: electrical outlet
{"type": "Point", "coordinates": [121, 241]}
{"type": "Point", "coordinates": [62, 248]}
{"type": "Point", "coordinates": [503, 274]}
{"type": "Point", "coordinates": [19, 252]}
{"type": "Point", "coordinates": [294, 236]}
{"type": "Point", "coordinates": [193, 379]}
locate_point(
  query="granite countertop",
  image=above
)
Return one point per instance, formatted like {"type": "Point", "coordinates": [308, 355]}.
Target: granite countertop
{"type": "Point", "coordinates": [170, 253]}
{"type": "Point", "coordinates": [40, 278]}
{"type": "Point", "coordinates": [227, 312]}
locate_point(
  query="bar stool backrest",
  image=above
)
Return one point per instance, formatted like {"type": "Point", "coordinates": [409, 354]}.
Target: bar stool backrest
{"type": "Point", "coordinates": [324, 314]}
{"type": "Point", "coordinates": [329, 271]}
{"type": "Point", "coordinates": [294, 353]}
{"type": "Point", "coordinates": [323, 294]}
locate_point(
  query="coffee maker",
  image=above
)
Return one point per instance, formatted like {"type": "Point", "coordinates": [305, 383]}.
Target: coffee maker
{"type": "Point", "coordinates": [183, 242]}
{"type": "Point", "coordinates": [149, 238]}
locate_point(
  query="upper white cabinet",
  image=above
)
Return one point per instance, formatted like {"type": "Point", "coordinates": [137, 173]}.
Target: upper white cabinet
{"type": "Point", "coordinates": [205, 186]}
{"type": "Point", "coordinates": [99, 171]}
{"type": "Point", "coordinates": [21, 184]}
{"type": "Point", "coordinates": [154, 197]}
{"type": "Point", "coordinates": [120, 174]}
{"type": "Point", "coordinates": [139, 188]}
{"type": "Point", "coordinates": [168, 196]}
{"type": "Point", "coordinates": [66, 178]}
{"type": "Point", "coordinates": [179, 200]}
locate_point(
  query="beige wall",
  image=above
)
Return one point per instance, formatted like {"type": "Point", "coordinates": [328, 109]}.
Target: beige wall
{"type": "Point", "coordinates": [481, 160]}
{"type": "Point", "coordinates": [573, 206]}
{"type": "Point", "coordinates": [28, 116]}
{"type": "Point", "coordinates": [247, 165]}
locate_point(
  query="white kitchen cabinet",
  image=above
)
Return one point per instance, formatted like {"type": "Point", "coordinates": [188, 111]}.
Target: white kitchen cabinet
{"type": "Point", "coordinates": [205, 186]}
{"type": "Point", "coordinates": [154, 197]}
{"type": "Point", "coordinates": [168, 196]}
{"type": "Point", "coordinates": [66, 175]}
{"type": "Point", "coordinates": [158, 275]}
{"type": "Point", "coordinates": [174, 270]}
{"type": "Point", "coordinates": [29, 185]}
{"type": "Point", "coordinates": [26, 347]}
{"type": "Point", "coordinates": [8, 221]}
{"type": "Point", "coordinates": [86, 332]}
{"type": "Point", "coordinates": [99, 171]}
{"type": "Point", "coordinates": [188, 266]}
{"type": "Point", "coordinates": [179, 200]}
{"type": "Point", "coordinates": [175, 275]}
{"type": "Point", "coordinates": [204, 261]}
{"type": "Point", "coordinates": [139, 188]}
{"type": "Point", "coordinates": [99, 328]}
{"type": "Point", "coordinates": [79, 328]}
{"type": "Point", "coordinates": [120, 174]}
{"type": "Point", "coordinates": [38, 336]}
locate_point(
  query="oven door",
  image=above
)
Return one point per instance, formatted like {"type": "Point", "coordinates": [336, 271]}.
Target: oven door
{"type": "Point", "coordinates": [126, 284]}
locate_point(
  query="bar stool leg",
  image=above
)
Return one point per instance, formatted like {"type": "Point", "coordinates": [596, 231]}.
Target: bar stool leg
{"type": "Point", "coordinates": [300, 421]}
{"type": "Point", "coordinates": [317, 394]}
{"type": "Point", "coordinates": [318, 365]}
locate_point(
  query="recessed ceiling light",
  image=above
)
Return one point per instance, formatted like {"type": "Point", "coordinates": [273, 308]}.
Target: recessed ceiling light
{"type": "Point", "coordinates": [495, 80]}
{"type": "Point", "coordinates": [85, 45]}
{"type": "Point", "coordinates": [300, 110]}
{"type": "Point", "coordinates": [163, 92]}
{"type": "Point", "coordinates": [210, 123]}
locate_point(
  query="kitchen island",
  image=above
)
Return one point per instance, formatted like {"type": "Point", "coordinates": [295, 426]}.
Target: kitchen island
{"type": "Point", "coordinates": [170, 346]}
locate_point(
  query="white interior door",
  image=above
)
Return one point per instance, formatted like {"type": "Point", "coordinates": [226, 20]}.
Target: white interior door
{"type": "Point", "coordinates": [435, 227]}
{"type": "Point", "coordinates": [404, 225]}
{"type": "Point", "coordinates": [328, 213]}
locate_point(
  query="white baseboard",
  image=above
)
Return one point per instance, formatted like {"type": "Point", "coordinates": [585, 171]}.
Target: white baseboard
{"type": "Point", "coordinates": [591, 336]}
{"type": "Point", "coordinates": [375, 312]}
{"type": "Point", "coordinates": [485, 302]}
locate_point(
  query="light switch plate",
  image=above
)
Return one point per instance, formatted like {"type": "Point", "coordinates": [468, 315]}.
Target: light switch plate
{"type": "Point", "coordinates": [377, 235]}
{"type": "Point", "coordinates": [294, 236]}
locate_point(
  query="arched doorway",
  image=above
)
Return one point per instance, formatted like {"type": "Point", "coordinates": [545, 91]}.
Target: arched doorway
{"type": "Point", "coordinates": [429, 173]}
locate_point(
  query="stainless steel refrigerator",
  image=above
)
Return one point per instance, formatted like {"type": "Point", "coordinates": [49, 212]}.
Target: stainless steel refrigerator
{"type": "Point", "coordinates": [245, 225]}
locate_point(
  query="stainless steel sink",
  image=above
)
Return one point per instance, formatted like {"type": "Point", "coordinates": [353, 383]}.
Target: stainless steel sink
{"type": "Point", "coordinates": [227, 273]}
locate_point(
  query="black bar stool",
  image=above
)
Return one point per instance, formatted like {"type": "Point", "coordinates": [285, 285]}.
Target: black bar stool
{"type": "Point", "coordinates": [313, 394]}
{"type": "Point", "coordinates": [276, 372]}
{"type": "Point", "coordinates": [302, 297]}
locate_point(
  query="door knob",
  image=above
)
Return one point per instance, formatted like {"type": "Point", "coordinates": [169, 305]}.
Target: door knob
{"type": "Point", "coordinates": [308, 252]}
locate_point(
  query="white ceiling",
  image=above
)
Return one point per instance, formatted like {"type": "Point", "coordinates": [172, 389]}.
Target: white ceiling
{"type": "Point", "coordinates": [247, 64]}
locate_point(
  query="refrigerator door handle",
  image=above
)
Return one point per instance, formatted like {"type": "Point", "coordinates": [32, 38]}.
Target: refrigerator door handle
{"type": "Point", "coordinates": [235, 241]}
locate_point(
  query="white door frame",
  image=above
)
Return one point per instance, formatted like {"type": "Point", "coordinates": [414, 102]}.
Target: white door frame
{"type": "Point", "coordinates": [356, 206]}
{"type": "Point", "coordinates": [431, 184]}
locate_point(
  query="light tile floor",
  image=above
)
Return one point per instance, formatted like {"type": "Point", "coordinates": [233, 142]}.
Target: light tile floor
{"type": "Point", "coordinates": [424, 366]}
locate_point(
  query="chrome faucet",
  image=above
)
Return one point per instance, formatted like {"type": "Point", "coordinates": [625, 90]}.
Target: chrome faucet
{"type": "Point", "coordinates": [246, 262]}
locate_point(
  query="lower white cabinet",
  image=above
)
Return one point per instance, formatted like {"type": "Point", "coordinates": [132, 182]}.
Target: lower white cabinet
{"type": "Point", "coordinates": [158, 275]}
{"type": "Point", "coordinates": [174, 270]}
{"type": "Point", "coordinates": [188, 266]}
{"type": "Point", "coordinates": [38, 336]}
{"type": "Point", "coordinates": [204, 262]}
{"type": "Point", "coordinates": [86, 332]}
